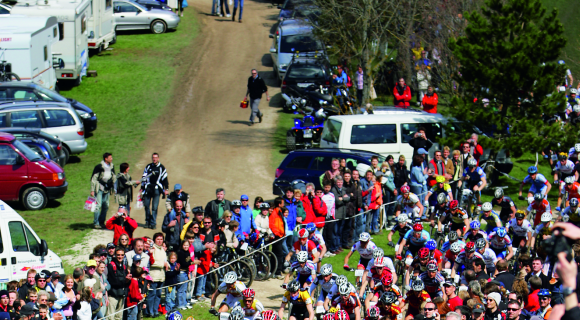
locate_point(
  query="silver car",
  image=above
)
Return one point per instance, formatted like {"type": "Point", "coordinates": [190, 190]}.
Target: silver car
{"type": "Point", "coordinates": [130, 15]}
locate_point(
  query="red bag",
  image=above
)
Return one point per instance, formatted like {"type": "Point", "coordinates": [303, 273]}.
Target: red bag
{"type": "Point", "coordinates": [244, 104]}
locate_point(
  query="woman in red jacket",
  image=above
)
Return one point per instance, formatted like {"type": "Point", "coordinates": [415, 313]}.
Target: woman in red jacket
{"type": "Point", "coordinates": [402, 94]}
{"type": "Point", "coordinates": [314, 206]}
{"type": "Point", "coordinates": [430, 101]}
{"type": "Point", "coordinates": [376, 202]}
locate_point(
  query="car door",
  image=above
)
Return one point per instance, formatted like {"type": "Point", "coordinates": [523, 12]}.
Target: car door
{"type": "Point", "coordinates": [26, 250]}
{"type": "Point", "coordinates": [127, 16]}
{"type": "Point", "coordinates": [320, 164]}
{"type": "Point", "coordinates": [25, 118]}
{"type": "Point", "coordinates": [5, 272]}
{"type": "Point", "coordinates": [12, 174]}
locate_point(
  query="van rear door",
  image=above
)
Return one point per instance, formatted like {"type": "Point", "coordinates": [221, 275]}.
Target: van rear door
{"type": "Point", "coordinates": [25, 251]}
{"type": "Point", "coordinates": [331, 134]}
{"type": "Point", "coordinates": [5, 272]}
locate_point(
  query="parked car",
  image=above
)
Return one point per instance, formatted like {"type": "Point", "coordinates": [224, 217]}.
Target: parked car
{"type": "Point", "coordinates": [309, 164]}
{"type": "Point", "coordinates": [43, 148]}
{"type": "Point", "coordinates": [288, 7]}
{"type": "Point", "coordinates": [306, 71]}
{"type": "Point", "coordinates": [26, 176]}
{"type": "Point", "coordinates": [130, 15]}
{"type": "Point", "coordinates": [35, 133]}
{"type": "Point", "coordinates": [152, 4]}
{"type": "Point", "coordinates": [21, 91]}
{"type": "Point", "coordinates": [57, 119]}
{"type": "Point", "coordinates": [5, 8]}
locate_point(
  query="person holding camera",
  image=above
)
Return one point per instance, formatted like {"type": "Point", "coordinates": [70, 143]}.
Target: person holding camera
{"type": "Point", "coordinates": [102, 182]}
{"type": "Point", "coordinates": [121, 223]}
{"type": "Point", "coordinates": [420, 141]}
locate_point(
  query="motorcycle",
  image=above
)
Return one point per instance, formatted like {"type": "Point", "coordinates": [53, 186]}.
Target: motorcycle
{"type": "Point", "coordinates": [306, 131]}
{"type": "Point", "coordinates": [308, 99]}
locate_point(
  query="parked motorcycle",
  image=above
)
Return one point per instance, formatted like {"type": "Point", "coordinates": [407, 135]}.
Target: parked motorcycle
{"type": "Point", "coordinates": [308, 99]}
{"type": "Point", "coordinates": [306, 132]}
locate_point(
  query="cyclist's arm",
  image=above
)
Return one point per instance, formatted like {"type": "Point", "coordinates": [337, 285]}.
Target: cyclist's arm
{"type": "Point", "coordinates": [513, 215]}
{"type": "Point", "coordinates": [363, 285]}
{"type": "Point", "coordinates": [287, 276]}
{"type": "Point", "coordinates": [483, 183]}
{"type": "Point", "coordinates": [420, 206]}
{"type": "Point", "coordinates": [281, 310]}
{"type": "Point", "coordinates": [450, 195]}
{"type": "Point", "coordinates": [549, 187]}
{"type": "Point", "coordinates": [510, 252]}
{"type": "Point", "coordinates": [315, 257]}
{"type": "Point", "coordinates": [401, 246]}
{"type": "Point", "coordinates": [322, 251]}
{"type": "Point", "coordinates": [429, 193]}
{"type": "Point", "coordinates": [289, 255]}
{"type": "Point", "coordinates": [521, 188]}
{"type": "Point", "coordinates": [407, 274]}
{"type": "Point", "coordinates": [356, 313]}
{"type": "Point", "coordinates": [347, 257]}
{"type": "Point", "coordinates": [214, 297]}
{"type": "Point", "coordinates": [439, 227]}
{"type": "Point", "coordinates": [466, 222]}
{"type": "Point", "coordinates": [390, 236]}
{"type": "Point", "coordinates": [326, 303]}
{"type": "Point", "coordinates": [310, 311]}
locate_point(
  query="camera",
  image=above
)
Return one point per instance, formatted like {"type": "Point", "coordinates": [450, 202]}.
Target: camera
{"type": "Point", "coordinates": [556, 244]}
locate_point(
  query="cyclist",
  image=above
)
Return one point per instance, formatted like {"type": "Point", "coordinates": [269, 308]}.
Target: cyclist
{"type": "Point", "coordinates": [520, 228]}
{"type": "Point", "coordinates": [305, 270]}
{"type": "Point", "coordinates": [539, 183]}
{"type": "Point", "coordinates": [348, 301]}
{"type": "Point", "coordinates": [434, 253]}
{"type": "Point", "coordinates": [489, 256]}
{"type": "Point", "coordinates": [374, 274]}
{"type": "Point", "coordinates": [315, 236]}
{"type": "Point", "coordinates": [386, 307]}
{"type": "Point", "coordinates": [325, 279]}
{"type": "Point", "coordinates": [252, 307]}
{"type": "Point", "coordinates": [451, 255]}
{"type": "Point", "coordinates": [457, 217]}
{"type": "Point", "coordinates": [572, 188]}
{"type": "Point", "coordinates": [452, 238]}
{"type": "Point", "coordinates": [508, 207]}
{"type": "Point", "coordinates": [474, 232]}
{"type": "Point", "coordinates": [539, 206]}
{"type": "Point", "coordinates": [442, 192]}
{"type": "Point", "coordinates": [408, 202]}
{"type": "Point", "coordinates": [233, 290]}
{"type": "Point", "coordinates": [415, 298]}
{"type": "Point", "coordinates": [365, 248]}
{"type": "Point", "coordinates": [403, 225]}
{"type": "Point", "coordinates": [544, 230]}
{"type": "Point", "coordinates": [416, 238]}
{"type": "Point", "coordinates": [304, 244]}
{"type": "Point", "coordinates": [373, 313]}
{"type": "Point", "coordinates": [300, 300]}
{"type": "Point", "coordinates": [500, 242]}
{"type": "Point", "coordinates": [572, 213]}
{"type": "Point", "coordinates": [465, 259]}
{"type": "Point", "coordinates": [564, 168]}
{"type": "Point", "coordinates": [418, 265]}
{"type": "Point", "coordinates": [341, 315]}
{"type": "Point", "coordinates": [574, 152]}
{"type": "Point", "coordinates": [236, 314]}
{"type": "Point", "coordinates": [384, 284]}
{"type": "Point", "coordinates": [474, 178]}
{"type": "Point", "coordinates": [340, 280]}
{"type": "Point", "coordinates": [433, 280]}
{"type": "Point", "coordinates": [491, 217]}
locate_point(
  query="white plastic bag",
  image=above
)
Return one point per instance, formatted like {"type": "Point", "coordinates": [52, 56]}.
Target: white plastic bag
{"type": "Point", "coordinates": [139, 204]}
{"type": "Point", "coordinates": [90, 204]}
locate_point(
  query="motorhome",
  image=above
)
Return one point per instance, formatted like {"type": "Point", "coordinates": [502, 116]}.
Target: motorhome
{"type": "Point", "coordinates": [101, 25]}
{"type": "Point", "coordinates": [26, 43]}
{"type": "Point", "coordinates": [72, 16]}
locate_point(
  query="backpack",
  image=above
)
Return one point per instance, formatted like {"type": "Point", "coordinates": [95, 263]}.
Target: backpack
{"type": "Point", "coordinates": [348, 81]}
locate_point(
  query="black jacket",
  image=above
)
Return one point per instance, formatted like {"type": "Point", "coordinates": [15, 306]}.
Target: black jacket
{"type": "Point", "coordinates": [157, 178]}
{"type": "Point", "coordinates": [256, 87]}
{"type": "Point", "coordinates": [116, 274]}
{"type": "Point", "coordinates": [401, 175]}
{"type": "Point", "coordinates": [173, 233]}
{"type": "Point", "coordinates": [418, 143]}
{"type": "Point", "coordinates": [506, 278]}
{"type": "Point", "coordinates": [340, 205]}
{"type": "Point", "coordinates": [545, 280]}
{"type": "Point", "coordinates": [212, 209]}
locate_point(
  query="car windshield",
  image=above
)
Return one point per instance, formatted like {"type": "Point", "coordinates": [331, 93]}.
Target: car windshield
{"type": "Point", "coordinates": [305, 71]}
{"type": "Point", "coordinates": [27, 152]}
{"type": "Point", "coordinates": [48, 94]}
{"type": "Point", "coordinates": [300, 43]}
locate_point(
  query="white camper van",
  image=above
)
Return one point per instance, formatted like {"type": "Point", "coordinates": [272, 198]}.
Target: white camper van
{"type": "Point", "coordinates": [21, 249]}
{"type": "Point", "coordinates": [101, 25]}
{"type": "Point", "coordinates": [26, 43]}
{"type": "Point", "coordinates": [72, 16]}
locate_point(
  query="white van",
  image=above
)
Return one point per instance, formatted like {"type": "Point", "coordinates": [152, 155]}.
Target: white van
{"type": "Point", "coordinates": [387, 134]}
{"type": "Point", "coordinates": [72, 16]}
{"type": "Point", "coordinates": [21, 249]}
{"type": "Point", "coordinates": [27, 45]}
{"type": "Point", "coordinates": [102, 25]}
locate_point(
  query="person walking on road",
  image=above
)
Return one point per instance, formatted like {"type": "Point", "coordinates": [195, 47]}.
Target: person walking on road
{"type": "Point", "coordinates": [125, 187]}
{"type": "Point", "coordinates": [256, 87]}
{"type": "Point", "coordinates": [241, 3]}
{"type": "Point", "coordinates": [155, 184]}
{"type": "Point", "coordinates": [102, 182]}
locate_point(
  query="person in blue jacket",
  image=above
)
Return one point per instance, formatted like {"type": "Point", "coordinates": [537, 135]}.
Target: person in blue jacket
{"type": "Point", "coordinates": [244, 217]}
{"type": "Point", "coordinates": [290, 203]}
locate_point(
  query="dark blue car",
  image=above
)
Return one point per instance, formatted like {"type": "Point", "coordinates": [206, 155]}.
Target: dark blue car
{"type": "Point", "coordinates": [43, 148]}
{"type": "Point", "coordinates": [310, 164]}
{"type": "Point", "coordinates": [287, 9]}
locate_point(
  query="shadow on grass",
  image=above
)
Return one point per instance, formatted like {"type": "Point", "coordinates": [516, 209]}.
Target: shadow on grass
{"type": "Point", "coordinates": [239, 122]}
{"type": "Point", "coordinates": [74, 159]}
{"type": "Point", "coordinates": [80, 226]}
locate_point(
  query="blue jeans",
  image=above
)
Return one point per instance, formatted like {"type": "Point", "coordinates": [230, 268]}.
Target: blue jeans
{"type": "Point", "coordinates": [254, 103]}
{"type": "Point", "coordinates": [101, 208]}
{"type": "Point", "coordinates": [151, 213]}
{"type": "Point", "coordinates": [170, 299]}
{"type": "Point", "coordinates": [132, 312]}
{"type": "Point", "coordinates": [200, 286]}
{"type": "Point", "coordinates": [390, 209]}
{"type": "Point", "coordinates": [154, 299]}
{"type": "Point", "coordinates": [337, 236]}
{"type": "Point", "coordinates": [214, 7]}
{"type": "Point", "coordinates": [359, 226]}
{"type": "Point", "coordinates": [181, 290]}
{"type": "Point", "coordinates": [375, 220]}
{"type": "Point", "coordinates": [241, 3]}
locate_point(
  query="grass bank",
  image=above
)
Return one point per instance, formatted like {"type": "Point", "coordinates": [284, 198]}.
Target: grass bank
{"type": "Point", "coordinates": [135, 82]}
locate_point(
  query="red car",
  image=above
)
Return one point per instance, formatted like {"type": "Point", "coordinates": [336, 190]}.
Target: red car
{"type": "Point", "coordinates": [27, 176]}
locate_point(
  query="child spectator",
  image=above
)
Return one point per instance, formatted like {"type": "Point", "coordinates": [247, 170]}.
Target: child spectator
{"type": "Point", "coordinates": [263, 222]}
{"type": "Point", "coordinates": [134, 296]}
{"type": "Point", "coordinates": [43, 312]}
{"type": "Point", "coordinates": [171, 280]}
{"type": "Point", "coordinates": [84, 312]}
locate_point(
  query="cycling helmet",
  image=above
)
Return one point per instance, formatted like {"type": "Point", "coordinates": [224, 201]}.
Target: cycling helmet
{"type": "Point", "coordinates": [311, 227]}
{"type": "Point", "coordinates": [538, 196]}
{"type": "Point", "coordinates": [405, 189]}
{"type": "Point", "coordinates": [328, 316]}
{"type": "Point", "coordinates": [431, 245]}
{"type": "Point", "coordinates": [332, 310]}
{"type": "Point", "coordinates": [302, 233]}
{"type": "Point", "coordinates": [569, 180]}
{"type": "Point", "coordinates": [417, 285]}
{"type": "Point", "coordinates": [387, 280]}
{"type": "Point", "coordinates": [573, 202]}
{"type": "Point", "coordinates": [236, 203]}
{"type": "Point", "coordinates": [302, 256]}
{"type": "Point", "coordinates": [546, 217]}
{"type": "Point", "coordinates": [480, 243]}
{"type": "Point", "coordinates": [453, 204]}
{"type": "Point", "coordinates": [175, 315]}
{"type": "Point", "coordinates": [562, 156]}
{"type": "Point", "coordinates": [380, 262]}
{"type": "Point", "coordinates": [378, 253]}
{"type": "Point", "coordinates": [293, 286]}
{"type": "Point", "coordinates": [373, 312]}
{"type": "Point", "coordinates": [341, 280]}
{"type": "Point", "coordinates": [470, 246]}
{"type": "Point", "coordinates": [440, 179]}
{"type": "Point", "coordinates": [269, 315]}
{"type": "Point", "coordinates": [501, 232]}
{"type": "Point", "coordinates": [237, 313]}
{"type": "Point", "coordinates": [364, 237]}
{"type": "Point", "coordinates": [264, 205]}
{"type": "Point", "coordinates": [472, 163]}
{"type": "Point", "coordinates": [341, 315]}
{"type": "Point", "coordinates": [326, 270]}
{"type": "Point", "coordinates": [389, 297]}
{"type": "Point", "coordinates": [486, 207]}
{"type": "Point", "coordinates": [455, 247]}
{"type": "Point", "coordinates": [423, 253]}
{"type": "Point", "coordinates": [577, 147]}
{"type": "Point", "coordinates": [230, 277]}
{"type": "Point", "coordinates": [561, 62]}
{"type": "Point", "coordinates": [544, 293]}
{"type": "Point", "coordinates": [532, 170]}
{"type": "Point", "coordinates": [453, 235]}
{"type": "Point", "coordinates": [475, 225]}
{"type": "Point", "coordinates": [432, 265]}
{"type": "Point", "coordinates": [441, 198]}
{"type": "Point", "coordinates": [249, 293]}
{"type": "Point", "coordinates": [417, 227]}
{"type": "Point", "coordinates": [402, 218]}
{"type": "Point", "coordinates": [520, 214]}
{"type": "Point", "coordinates": [498, 193]}
{"type": "Point", "coordinates": [344, 289]}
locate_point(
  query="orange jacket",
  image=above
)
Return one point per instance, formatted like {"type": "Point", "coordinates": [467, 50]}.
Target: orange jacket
{"type": "Point", "coordinates": [276, 221]}
{"type": "Point", "coordinates": [430, 103]}
{"type": "Point", "coordinates": [402, 100]}
{"type": "Point", "coordinates": [376, 196]}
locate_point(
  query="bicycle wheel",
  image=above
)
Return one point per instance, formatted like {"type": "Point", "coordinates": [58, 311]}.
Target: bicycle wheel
{"type": "Point", "coordinates": [244, 271]}
{"type": "Point", "coordinates": [273, 262]}
{"type": "Point", "coordinates": [262, 263]}
{"type": "Point", "coordinates": [211, 283]}
{"type": "Point", "coordinates": [252, 266]}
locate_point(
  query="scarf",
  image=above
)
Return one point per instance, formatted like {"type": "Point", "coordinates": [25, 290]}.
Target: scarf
{"type": "Point", "coordinates": [400, 90]}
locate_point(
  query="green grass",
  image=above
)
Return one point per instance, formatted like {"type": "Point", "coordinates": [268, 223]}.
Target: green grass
{"type": "Point", "coordinates": [284, 122]}
{"type": "Point", "coordinates": [135, 82]}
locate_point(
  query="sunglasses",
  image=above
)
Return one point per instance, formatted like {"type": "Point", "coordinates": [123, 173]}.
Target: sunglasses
{"type": "Point", "coordinates": [429, 309]}
{"type": "Point", "coordinates": [513, 309]}
{"type": "Point", "coordinates": [40, 280]}
{"type": "Point", "coordinates": [120, 255]}
{"type": "Point", "coordinates": [544, 298]}
{"type": "Point", "coordinates": [194, 227]}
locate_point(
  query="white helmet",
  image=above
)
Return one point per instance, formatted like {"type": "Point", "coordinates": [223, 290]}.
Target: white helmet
{"type": "Point", "coordinates": [577, 147]}
{"type": "Point", "coordinates": [379, 252]}
{"type": "Point", "coordinates": [236, 203]}
{"type": "Point", "coordinates": [570, 180]}
{"type": "Point", "coordinates": [546, 217]}
{"type": "Point", "coordinates": [326, 270]}
{"type": "Point", "coordinates": [498, 193]}
{"type": "Point", "coordinates": [341, 280]}
{"type": "Point", "coordinates": [486, 207]}
{"type": "Point", "coordinates": [230, 277]}
{"type": "Point", "coordinates": [302, 256]}
{"type": "Point", "coordinates": [573, 91]}
{"type": "Point", "coordinates": [418, 285]}
{"type": "Point", "coordinates": [576, 108]}
{"type": "Point", "coordinates": [364, 237]}
{"type": "Point", "coordinates": [344, 289]}
{"type": "Point", "coordinates": [455, 247]}
{"type": "Point", "coordinates": [472, 162]}
{"type": "Point", "coordinates": [237, 313]}
{"type": "Point", "coordinates": [441, 198]}
{"type": "Point", "coordinates": [381, 262]}
{"type": "Point", "coordinates": [402, 218]}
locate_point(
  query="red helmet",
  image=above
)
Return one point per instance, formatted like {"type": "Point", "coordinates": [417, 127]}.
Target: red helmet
{"type": "Point", "coordinates": [453, 204]}
{"type": "Point", "coordinates": [417, 227]}
{"type": "Point", "coordinates": [269, 315]}
{"type": "Point", "coordinates": [405, 189]}
{"type": "Point", "coordinates": [469, 247]}
{"type": "Point", "coordinates": [328, 316]}
{"type": "Point", "coordinates": [249, 293]}
{"type": "Point", "coordinates": [341, 315]}
{"type": "Point", "coordinates": [387, 280]}
{"type": "Point", "coordinates": [302, 233]}
{"type": "Point", "coordinates": [423, 253]}
{"type": "Point", "coordinates": [432, 265]}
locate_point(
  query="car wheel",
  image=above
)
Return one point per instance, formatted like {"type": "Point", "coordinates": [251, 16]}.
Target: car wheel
{"type": "Point", "coordinates": [66, 154]}
{"type": "Point", "coordinates": [34, 198]}
{"type": "Point", "coordinates": [114, 37]}
{"type": "Point", "coordinates": [290, 142]}
{"type": "Point", "coordinates": [158, 26]}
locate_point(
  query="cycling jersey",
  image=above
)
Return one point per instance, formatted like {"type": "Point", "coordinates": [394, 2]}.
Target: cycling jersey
{"type": "Point", "coordinates": [365, 253]}
{"type": "Point", "coordinates": [433, 285]}
{"type": "Point", "coordinates": [540, 207]}
{"type": "Point", "coordinates": [317, 239]}
{"type": "Point", "coordinates": [462, 259]}
{"type": "Point", "coordinates": [457, 217]}
{"type": "Point", "coordinates": [470, 236]}
{"type": "Point", "coordinates": [310, 247]}
{"type": "Point", "coordinates": [302, 300]}
{"type": "Point", "coordinates": [414, 301]}
{"type": "Point", "coordinates": [236, 291]}
{"type": "Point", "coordinates": [475, 175]}
{"type": "Point", "coordinates": [409, 202]}
{"type": "Point", "coordinates": [255, 309]}
{"type": "Point", "coordinates": [374, 275]}
{"type": "Point", "coordinates": [417, 266]}
{"type": "Point", "coordinates": [498, 243]}
{"type": "Point", "coordinates": [565, 169]}
{"type": "Point", "coordinates": [573, 191]}
{"type": "Point", "coordinates": [394, 313]}
{"type": "Point", "coordinates": [308, 269]}
{"type": "Point", "coordinates": [489, 258]}
{"type": "Point", "coordinates": [544, 229]}
{"type": "Point", "coordinates": [347, 305]}
{"type": "Point", "coordinates": [538, 184]}
{"type": "Point", "coordinates": [417, 242]}
{"type": "Point", "coordinates": [389, 265]}
{"type": "Point", "coordinates": [492, 220]}
{"type": "Point", "coordinates": [506, 203]}
{"type": "Point", "coordinates": [445, 246]}
{"type": "Point", "coordinates": [379, 289]}
{"type": "Point", "coordinates": [436, 255]}
{"type": "Point", "coordinates": [435, 191]}
{"type": "Point", "coordinates": [334, 291]}
{"type": "Point", "coordinates": [520, 231]}
{"type": "Point", "coordinates": [324, 285]}
{"type": "Point", "coordinates": [573, 217]}
{"type": "Point", "coordinates": [401, 230]}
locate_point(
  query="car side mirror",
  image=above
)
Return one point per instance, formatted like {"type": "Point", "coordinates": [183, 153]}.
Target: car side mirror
{"type": "Point", "coordinates": [273, 50]}
{"type": "Point", "coordinates": [271, 36]}
{"type": "Point", "coordinates": [58, 63]}
{"type": "Point", "coordinates": [43, 247]}
{"type": "Point", "coordinates": [20, 160]}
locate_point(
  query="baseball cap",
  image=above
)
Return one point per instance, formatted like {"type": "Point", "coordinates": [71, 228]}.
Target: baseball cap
{"type": "Point", "coordinates": [197, 209]}
{"type": "Point", "coordinates": [91, 263]}
{"type": "Point", "coordinates": [137, 257]}
{"type": "Point", "coordinates": [478, 308]}
{"type": "Point", "coordinates": [55, 275]}
{"type": "Point", "coordinates": [27, 310]}
{"type": "Point", "coordinates": [244, 197]}
{"type": "Point", "coordinates": [449, 282]}
{"type": "Point", "coordinates": [111, 245]}
{"type": "Point", "coordinates": [422, 151]}
{"type": "Point", "coordinates": [177, 187]}
{"type": "Point", "coordinates": [102, 252]}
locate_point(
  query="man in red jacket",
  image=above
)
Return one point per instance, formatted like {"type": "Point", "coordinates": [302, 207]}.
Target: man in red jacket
{"type": "Point", "coordinates": [402, 94]}
{"type": "Point", "coordinates": [120, 223]}
{"type": "Point", "coordinates": [430, 101]}
{"type": "Point", "coordinates": [314, 206]}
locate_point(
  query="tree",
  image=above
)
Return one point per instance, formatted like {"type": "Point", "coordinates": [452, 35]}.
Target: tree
{"type": "Point", "coordinates": [508, 55]}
